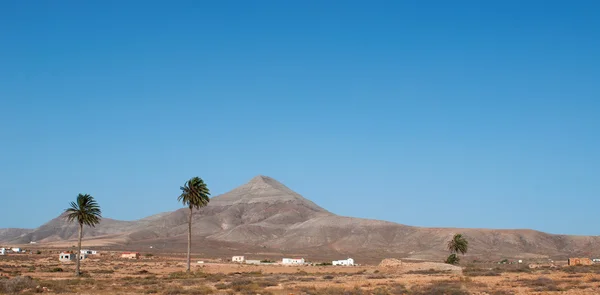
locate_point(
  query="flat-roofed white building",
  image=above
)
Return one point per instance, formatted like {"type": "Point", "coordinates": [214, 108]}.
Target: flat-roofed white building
{"type": "Point", "coordinates": [66, 257]}
{"type": "Point", "coordinates": [238, 259]}
{"type": "Point", "coordinates": [292, 261]}
{"type": "Point", "coordinates": [346, 262]}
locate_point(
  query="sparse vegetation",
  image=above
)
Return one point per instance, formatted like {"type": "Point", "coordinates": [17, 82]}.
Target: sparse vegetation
{"type": "Point", "coordinates": [16, 285]}
{"type": "Point", "coordinates": [440, 287]}
{"type": "Point", "coordinates": [112, 276]}
{"type": "Point", "coordinates": [324, 264]}
{"type": "Point", "coordinates": [541, 284]}
{"type": "Point", "coordinates": [481, 272]}
{"type": "Point", "coordinates": [582, 269]}
{"type": "Point", "coordinates": [428, 272]}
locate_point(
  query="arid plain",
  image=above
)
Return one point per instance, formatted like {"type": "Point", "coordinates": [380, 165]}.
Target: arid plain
{"type": "Point", "coordinates": [107, 273]}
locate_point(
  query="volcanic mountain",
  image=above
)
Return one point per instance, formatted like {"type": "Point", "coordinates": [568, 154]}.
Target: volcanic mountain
{"type": "Point", "coordinates": [265, 216]}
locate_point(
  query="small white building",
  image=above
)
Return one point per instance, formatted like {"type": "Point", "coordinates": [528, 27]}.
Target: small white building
{"type": "Point", "coordinates": [66, 257]}
{"type": "Point", "coordinates": [596, 260]}
{"type": "Point", "coordinates": [16, 250]}
{"type": "Point", "coordinates": [239, 259]}
{"type": "Point", "coordinates": [292, 261]}
{"type": "Point", "coordinates": [346, 262]}
{"type": "Point", "coordinates": [2, 251]}
{"type": "Point", "coordinates": [89, 252]}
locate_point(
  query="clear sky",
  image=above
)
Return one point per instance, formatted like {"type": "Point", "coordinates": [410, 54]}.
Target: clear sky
{"type": "Point", "coordinates": [430, 113]}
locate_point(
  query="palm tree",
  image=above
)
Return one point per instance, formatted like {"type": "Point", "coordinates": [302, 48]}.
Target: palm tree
{"type": "Point", "coordinates": [458, 244]}
{"type": "Point", "coordinates": [85, 211]}
{"type": "Point", "coordinates": [194, 194]}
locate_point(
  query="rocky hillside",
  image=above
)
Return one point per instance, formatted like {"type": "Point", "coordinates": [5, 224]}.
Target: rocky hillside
{"type": "Point", "coordinates": [265, 215]}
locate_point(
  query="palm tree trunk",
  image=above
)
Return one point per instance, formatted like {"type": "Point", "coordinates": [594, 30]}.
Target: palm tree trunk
{"type": "Point", "coordinates": [78, 256]}
{"type": "Point", "coordinates": [189, 240]}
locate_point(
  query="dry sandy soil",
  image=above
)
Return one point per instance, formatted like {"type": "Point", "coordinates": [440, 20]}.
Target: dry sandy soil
{"type": "Point", "coordinates": [108, 274]}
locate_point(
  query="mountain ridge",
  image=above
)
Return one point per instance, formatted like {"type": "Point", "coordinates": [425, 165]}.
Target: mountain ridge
{"type": "Point", "coordinates": [265, 214]}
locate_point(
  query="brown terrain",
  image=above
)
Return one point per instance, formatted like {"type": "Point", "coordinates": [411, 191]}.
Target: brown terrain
{"type": "Point", "coordinates": [266, 218]}
{"type": "Point", "coordinates": [107, 273]}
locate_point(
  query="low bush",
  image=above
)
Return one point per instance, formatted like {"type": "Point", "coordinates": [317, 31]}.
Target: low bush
{"type": "Point", "coordinates": [440, 287]}
{"type": "Point", "coordinates": [377, 277]}
{"type": "Point", "coordinates": [270, 282]}
{"type": "Point", "coordinates": [16, 285]}
{"type": "Point", "coordinates": [398, 289]}
{"type": "Point", "coordinates": [582, 269]}
{"type": "Point", "coordinates": [102, 271]}
{"type": "Point", "coordinates": [430, 271]}
{"type": "Point", "coordinates": [176, 290]}
{"type": "Point", "coordinates": [481, 272]}
{"type": "Point", "coordinates": [541, 284]}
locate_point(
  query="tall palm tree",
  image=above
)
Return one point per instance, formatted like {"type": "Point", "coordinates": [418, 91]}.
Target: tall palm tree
{"type": "Point", "coordinates": [194, 194]}
{"type": "Point", "coordinates": [85, 211]}
{"type": "Point", "coordinates": [458, 244]}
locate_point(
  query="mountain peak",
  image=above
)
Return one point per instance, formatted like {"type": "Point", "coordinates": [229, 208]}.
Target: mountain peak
{"type": "Point", "coordinates": [261, 179]}
{"type": "Point", "coordinates": [263, 189]}
{"type": "Point", "coordinates": [260, 182]}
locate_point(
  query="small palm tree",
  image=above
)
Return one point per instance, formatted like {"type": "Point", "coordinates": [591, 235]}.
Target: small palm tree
{"type": "Point", "coordinates": [85, 211]}
{"type": "Point", "coordinates": [194, 194]}
{"type": "Point", "coordinates": [458, 244]}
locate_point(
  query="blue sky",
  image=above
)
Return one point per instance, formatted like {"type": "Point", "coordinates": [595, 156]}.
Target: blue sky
{"type": "Point", "coordinates": [429, 113]}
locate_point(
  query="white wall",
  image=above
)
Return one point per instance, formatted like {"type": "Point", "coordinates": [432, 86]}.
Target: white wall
{"type": "Point", "coordinates": [66, 257]}
{"type": "Point", "coordinates": [292, 261]}
{"type": "Point", "coordinates": [348, 261]}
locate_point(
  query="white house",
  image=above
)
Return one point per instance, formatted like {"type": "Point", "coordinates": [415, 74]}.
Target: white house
{"type": "Point", "coordinates": [2, 251]}
{"type": "Point", "coordinates": [66, 257]}
{"type": "Point", "coordinates": [347, 262]}
{"type": "Point", "coordinates": [89, 252]}
{"type": "Point", "coordinates": [292, 261]}
{"type": "Point", "coordinates": [239, 259]}
{"type": "Point", "coordinates": [16, 250]}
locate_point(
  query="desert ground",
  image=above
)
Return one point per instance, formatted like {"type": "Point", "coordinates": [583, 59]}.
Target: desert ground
{"type": "Point", "coordinates": [107, 273]}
